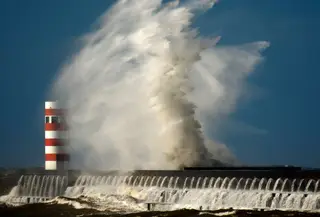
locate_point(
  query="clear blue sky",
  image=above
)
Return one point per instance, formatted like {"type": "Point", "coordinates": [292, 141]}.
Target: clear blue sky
{"type": "Point", "coordinates": [38, 35]}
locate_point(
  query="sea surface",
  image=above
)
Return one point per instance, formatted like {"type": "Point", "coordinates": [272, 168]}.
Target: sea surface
{"type": "Point", "coordinates": [84, 206]}
{"type": "Point", "coordinates": [53, 210]}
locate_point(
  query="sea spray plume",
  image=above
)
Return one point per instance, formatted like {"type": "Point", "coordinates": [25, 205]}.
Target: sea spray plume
{"type": "Point", "coordinates": [130, 90]}
{"type": "Point", "coordinates": [221, 76]}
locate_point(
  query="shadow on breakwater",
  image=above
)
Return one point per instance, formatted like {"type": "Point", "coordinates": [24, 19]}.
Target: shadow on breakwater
{"type": "Point", "coordinates": [10, 177]}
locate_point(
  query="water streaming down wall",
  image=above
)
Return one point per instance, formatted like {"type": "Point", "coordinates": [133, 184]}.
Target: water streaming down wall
{"type": "Point", "coordinates": [207, 192]}
{"type": "Point", "coordinates": [37, 188]}
{"type": "Point", "coordinates": [174, 191]}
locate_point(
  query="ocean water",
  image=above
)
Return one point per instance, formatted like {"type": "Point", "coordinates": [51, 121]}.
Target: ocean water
{"type": "Point", "coordinates": [67, 210]}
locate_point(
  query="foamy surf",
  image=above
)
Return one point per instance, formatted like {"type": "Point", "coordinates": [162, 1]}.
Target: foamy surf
{"type": "Point", "coordinates": [100, 202]}
{"type": "Point", "coordinates": [120, 203]}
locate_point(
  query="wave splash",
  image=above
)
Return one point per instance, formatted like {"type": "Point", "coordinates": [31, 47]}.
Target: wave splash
{"type": "Point", "coordinates": [140, 90]}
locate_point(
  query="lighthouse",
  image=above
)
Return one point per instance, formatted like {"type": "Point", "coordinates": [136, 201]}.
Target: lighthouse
{"type": "Point", "coordinates": [56, 154]}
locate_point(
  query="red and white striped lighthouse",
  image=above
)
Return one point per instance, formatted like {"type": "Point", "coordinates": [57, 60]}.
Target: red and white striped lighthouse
{"type": "Point", "coordinates": [56, 155]}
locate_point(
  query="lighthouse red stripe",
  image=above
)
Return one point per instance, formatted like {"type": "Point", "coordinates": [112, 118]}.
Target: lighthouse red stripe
{"type": "Point", "coordinates": [54, 142]}
{"type": "Point", "coordinates": [57, 157]}
{"type": "Point", "coordinates": [54, 111]}
{"type": "Point", "coordinates": [51, 127]}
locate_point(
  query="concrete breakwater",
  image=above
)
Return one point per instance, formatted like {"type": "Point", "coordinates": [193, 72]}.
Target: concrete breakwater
{"type": "Point", "coordinates": [220, 187]}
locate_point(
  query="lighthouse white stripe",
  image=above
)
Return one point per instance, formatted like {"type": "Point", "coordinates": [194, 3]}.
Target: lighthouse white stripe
{"type": "Point", "coordinates": [51, 165]}
{"type": "Point", "coordinates": [50, 134]}
{"type": "Point", "coordinates": [55, 150]}
{"type": "Point", "coordinates": [56, 165]}
{"type": "Point", "coordinates": [52, 105]}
